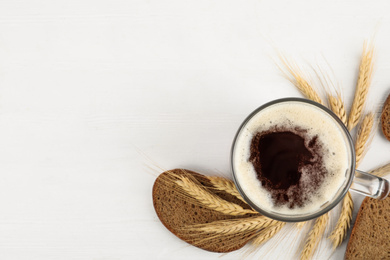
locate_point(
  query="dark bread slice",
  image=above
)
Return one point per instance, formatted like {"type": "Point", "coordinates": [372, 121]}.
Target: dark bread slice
{"type": "Point", "coordinates": [175, 212]}
{"type": "Point", "coordinates": [385, 118]}
{"type": "Point", "coordinates": [370, 238]}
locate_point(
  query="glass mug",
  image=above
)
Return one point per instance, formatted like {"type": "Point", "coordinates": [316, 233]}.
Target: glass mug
{"type": "Point", "coordinates": [260, 199]}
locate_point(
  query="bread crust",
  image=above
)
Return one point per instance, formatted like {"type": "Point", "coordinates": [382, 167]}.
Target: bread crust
{"type": "Point", "coordinates": [370, 237]}
{"type": "Point", "coordinates": [175, 212]}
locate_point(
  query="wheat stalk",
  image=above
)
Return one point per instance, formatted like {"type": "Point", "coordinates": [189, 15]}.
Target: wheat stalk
{"type": "Point", "coordinates": [315, 236]}
{"type": "Point", "coordinates": [229, 240]}
{"type": "Point", "coordinates": [295, 75]}
{"type": "Point", "coordinates": [226, 185]}
{"type": "Point", "coordinates": [232, 226]}
{"type": "Point", "coordinates": [344, 221]}
{"type": "Point", "coordinates": [337, 106]}
{"type": "Point", "coordinates": [267, 233]}
{"type": "Point", "coordinates": [210, 200]}
{"type": "Point", "coordinates": [363, 136]}
{"type": "Point", "coordinates": [362, 86]}
{"type": "Point", "coordinates": [381, 171]}
{"type": "Point", "coordinates": [345, 217]}
{"type": "Point", "coordinates": [340, 231]}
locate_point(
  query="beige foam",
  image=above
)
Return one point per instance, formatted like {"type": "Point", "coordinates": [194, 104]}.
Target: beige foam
{"type": "Point", "coordinates": [336, 158]}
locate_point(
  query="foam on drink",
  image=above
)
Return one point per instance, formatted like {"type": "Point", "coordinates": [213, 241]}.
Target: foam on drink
{"type": "Point", "coordinates": [315, 124]}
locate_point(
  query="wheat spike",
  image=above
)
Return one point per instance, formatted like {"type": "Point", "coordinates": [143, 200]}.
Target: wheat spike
{"type": "Point", "coordinates": [299, 225]}
{"type": "Point", "coordinates": [232, 226]}
{"type": "Point", "coordinates": [210, 200]}
{"type": "Point", "coordinates": [230, 240]}
{"type": "Point", "coordinates": [344, 221]}
{"type": "Point", "coordinates": [318, 229]}
{"type": "Point", "coordinates": [362, 86]}
{"type": "Point", "coordinates": [337, 106]}
{"type": "Point", "coordinates": [314, 237]}
{"type": "Point", "coordinates": [295, 75]}
{"type": "Point", "coordinates": [381, 171]}
{"type": "Point", "coordinates": [363, 136]}
{"type": "Point", "coordinates": [226, 185]}
{"type": "Point", "coordinates": [267, 233]}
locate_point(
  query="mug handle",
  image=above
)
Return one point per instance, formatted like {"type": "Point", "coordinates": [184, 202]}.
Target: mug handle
{"type": "Point", "coordinates": [370, 185]}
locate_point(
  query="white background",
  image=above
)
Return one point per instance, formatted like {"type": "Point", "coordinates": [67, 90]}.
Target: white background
{"type": "Point", "coordinates": [96, 95]}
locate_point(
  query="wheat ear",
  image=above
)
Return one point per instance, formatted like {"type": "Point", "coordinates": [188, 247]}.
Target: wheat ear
{"type": "Point", "coordinates": [299, 225]}
{"type": "Point", "coordinates": [314, 237]}
{"type": "Point", "coordinates": [295, 75]}
{"type": "Point", "coordinates": [267, 233]}
{"type": "Point", "coordinates": [232, 226]}
{"type": "Point", "coordinates": [337, 106]}
{"type": "Point", "coordinates": [226, 185]}
{"type": "Point", "coordinates": [344, 221]}
{"type": "Point", "coordinates": [362, 86]}
{"type": "Point", "coordinates": [340, 231]}
{"type": "Point", "coordinates": [210, 200]}
{"type": "Point", "coordinates": [320, 224]}
{"type": "Point", "coordinates": [345, 217]}
{"type": "Point", "coordinates": [381, 171]}
{"type": "Point", "coordinates": [363, 135]}
{"type": "Point", "coordinates": [229, 240]}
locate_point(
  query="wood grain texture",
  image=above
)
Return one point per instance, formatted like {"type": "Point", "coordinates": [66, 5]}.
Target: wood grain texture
{"type": "Point", "coordinates": [94, 93]}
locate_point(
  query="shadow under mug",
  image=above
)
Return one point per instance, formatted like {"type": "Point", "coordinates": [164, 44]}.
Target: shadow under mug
{"type": "Point", "coordinates": [355, 180]}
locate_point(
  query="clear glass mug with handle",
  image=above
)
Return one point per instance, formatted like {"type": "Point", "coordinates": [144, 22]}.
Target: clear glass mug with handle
{"type": "Point", "coordinates": [352, 179]}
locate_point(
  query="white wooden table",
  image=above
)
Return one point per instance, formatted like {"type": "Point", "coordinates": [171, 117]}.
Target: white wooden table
{"type": "Point", "coordinates": [95, 95]}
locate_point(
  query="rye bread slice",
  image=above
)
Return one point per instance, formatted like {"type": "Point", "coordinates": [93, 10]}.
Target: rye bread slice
{"type": "Point", "coordinates": [175, 212]}
{"type": "Point", "coordinates": [370, 238]}
{"type": "Point", "coordinates": [385, 118]}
